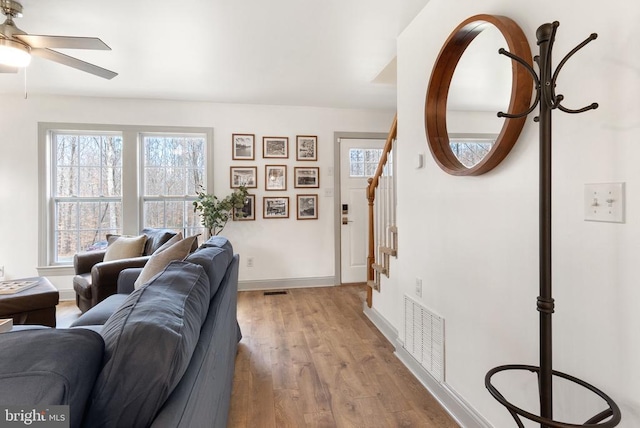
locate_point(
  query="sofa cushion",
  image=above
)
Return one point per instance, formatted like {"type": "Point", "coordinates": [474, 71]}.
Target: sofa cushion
{"type": "Point", "coordinates": [215, 261]}
{"type": "Point", "coordinates": [49, 367]}
{"type": "Point", "coordinates": [177, 250]}
{"type": "Point", "coordinates": [101, 312]}
{"type": "Point", "coordinates": [218, 241]}
{"type": "Point", "coordinates": [149, 341]}
{"type": "Point", "coordinates": [125, 247]}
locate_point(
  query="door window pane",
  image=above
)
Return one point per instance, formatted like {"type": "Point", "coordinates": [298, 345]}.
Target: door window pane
{"type": "Point", "coordinates": [363, 162]}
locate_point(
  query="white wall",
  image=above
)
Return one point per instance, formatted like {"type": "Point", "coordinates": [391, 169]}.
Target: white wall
{"type": "Point", "coordinates": [474, 240]}
{"type": "Point", "coordinates": [282, 249]}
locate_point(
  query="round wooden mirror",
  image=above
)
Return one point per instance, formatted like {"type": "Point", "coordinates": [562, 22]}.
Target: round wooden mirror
{"type": "Point", "coordinates": [438, 91]}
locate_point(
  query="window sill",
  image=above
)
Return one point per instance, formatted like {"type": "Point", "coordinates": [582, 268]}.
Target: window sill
{"type": "Point", "coordinates": [66, 270]}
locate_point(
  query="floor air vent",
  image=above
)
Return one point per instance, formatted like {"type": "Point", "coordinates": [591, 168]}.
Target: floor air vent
{"type": "Point", "coordinates": [274, 293]}
{"type": "Point", "coordinates": [424, 337]}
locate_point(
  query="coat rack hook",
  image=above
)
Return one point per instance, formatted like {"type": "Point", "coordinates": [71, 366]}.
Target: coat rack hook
{"type": "Point", "coordinates": [533, 74]}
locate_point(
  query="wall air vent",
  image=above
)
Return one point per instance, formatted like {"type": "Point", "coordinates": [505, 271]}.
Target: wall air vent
{"type": "Point", "coordinates": [424, 337]}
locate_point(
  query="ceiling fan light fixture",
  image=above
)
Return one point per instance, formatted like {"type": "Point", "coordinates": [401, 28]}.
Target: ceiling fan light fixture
{"type": "Point", "coordinates": [14, 54]}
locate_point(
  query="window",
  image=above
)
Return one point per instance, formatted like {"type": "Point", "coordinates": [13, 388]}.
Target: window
{"type": "Point", "coordinates": [174, 170]}
{"type": "Point", "coordinates": [89, 184]}
{"type": "Point", "coordinates": [86, 190]}
{"type": "Point", "coordinates": [363, 162]}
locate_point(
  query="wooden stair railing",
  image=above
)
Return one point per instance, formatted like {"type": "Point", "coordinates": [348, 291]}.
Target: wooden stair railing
{"type": "Point", "coordinates": [383, 233]}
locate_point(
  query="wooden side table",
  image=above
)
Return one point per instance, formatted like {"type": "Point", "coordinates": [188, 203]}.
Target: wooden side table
{"type": "Point", "coordinates": [36, 305]}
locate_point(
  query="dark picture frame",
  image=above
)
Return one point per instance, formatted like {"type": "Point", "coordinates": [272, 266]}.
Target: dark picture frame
{"type": "Point", "coordinates": [248, 210]}
{"type": "Point", "coordinates": [275, 207]}
{"type": "Point", "coordinates": [275, 177]}
{"type": "Point", "coordinates": [246, 176]}
{"type": "Point", "coordinates": [307, 207]}
{"type": "Point", "coordinates": [243, 146]}
{"type": "Point", "coordinates": [306, 177]}
{"type": "Point", "coordinates": [275, 147]}
{"type": "Point", "coordinates": [306, 147]}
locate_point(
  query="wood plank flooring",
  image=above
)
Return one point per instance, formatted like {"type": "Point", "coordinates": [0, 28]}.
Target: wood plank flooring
{"type": "Point", "coordinates": [311, 358]}
{"type": "Point", "coordinates": [66, 313]}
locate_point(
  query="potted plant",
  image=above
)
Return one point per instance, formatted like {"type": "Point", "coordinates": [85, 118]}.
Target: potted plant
{"type": "Point", "coordinates": [215, 213]}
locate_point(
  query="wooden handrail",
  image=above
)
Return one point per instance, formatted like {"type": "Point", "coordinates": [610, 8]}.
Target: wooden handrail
{"type": "Point", "coordinates": [393, 132]}
{"type": "Point", "coordinates": [371, 196]}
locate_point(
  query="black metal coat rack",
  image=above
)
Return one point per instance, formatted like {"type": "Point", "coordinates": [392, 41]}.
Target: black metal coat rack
{"type": "Point", "coordinates": [546, 97]}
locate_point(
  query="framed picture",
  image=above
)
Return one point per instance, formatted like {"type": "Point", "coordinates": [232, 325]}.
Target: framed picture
{"type": "Point", "coordinates": [275, 177]}
{"type": "Point", "coordinates": [275, 147]}
{"type": "Point", "coordinates": [307, 207]}
{"type": "Point", "coordinates": [276, 207]}
{"type": "Point", "coordinates": [243, 146]}
{"type": "Point", "coordinates": [306, 148]}
{"type": "Point", "coordinates": [306, 177]}
{"type": "Point", "coordinates": [247, 212]}
{"type": "Point", "coordinates": [244, 176]}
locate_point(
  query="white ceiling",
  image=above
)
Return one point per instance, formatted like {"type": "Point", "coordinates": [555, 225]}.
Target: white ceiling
{"type": "Point", "coordinates": [288, 52]}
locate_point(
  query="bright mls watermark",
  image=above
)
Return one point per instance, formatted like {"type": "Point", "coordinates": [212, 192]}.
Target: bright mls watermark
{"type": "Point", "coordinates": [34, 416]}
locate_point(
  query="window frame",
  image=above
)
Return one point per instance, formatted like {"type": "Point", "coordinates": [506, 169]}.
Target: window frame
{"type": "Point", "coordinates": [132, 187]}
{"type": "Point", "coordinates": [55, 199]}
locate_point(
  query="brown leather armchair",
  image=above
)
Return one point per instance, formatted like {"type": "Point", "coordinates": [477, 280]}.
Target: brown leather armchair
{"type": "Point", "coordinates": [95, 280]}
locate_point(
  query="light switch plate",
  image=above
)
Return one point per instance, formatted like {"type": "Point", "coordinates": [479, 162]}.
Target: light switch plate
{"type": "Point", "coordinates": [604, 202]}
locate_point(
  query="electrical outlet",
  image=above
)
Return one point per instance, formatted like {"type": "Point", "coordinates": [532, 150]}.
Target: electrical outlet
{"type": "Point", "coordinates": [419, 287]}
{"type": "Point", "coordinates": [1, 273]}
{"type": "Point", "coordinates": [250, 262]}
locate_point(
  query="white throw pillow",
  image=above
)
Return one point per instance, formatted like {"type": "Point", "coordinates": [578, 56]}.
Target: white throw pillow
{"type": "Point", "coordinates": [125, 247]}
{"type": "Point", "coordinates": [162, 257]}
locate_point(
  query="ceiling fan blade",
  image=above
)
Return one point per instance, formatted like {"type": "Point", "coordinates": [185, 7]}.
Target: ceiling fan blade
{"type": "Point", "coordinates": [63, 42]}
{"type": "Point", "coordinates": [7, 69]}
{"type": "Point", "coordinates": [74, 62]}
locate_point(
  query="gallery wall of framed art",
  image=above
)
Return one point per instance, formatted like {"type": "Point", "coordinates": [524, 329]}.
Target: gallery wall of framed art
{"type": "Point", "coordinates": [266, 174]}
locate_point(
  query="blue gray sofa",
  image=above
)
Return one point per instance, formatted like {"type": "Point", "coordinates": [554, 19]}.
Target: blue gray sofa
{"type": "Point", "coordinates": [160, 356]}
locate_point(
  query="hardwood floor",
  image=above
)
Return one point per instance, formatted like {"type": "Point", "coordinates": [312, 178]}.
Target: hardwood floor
{"type": "Point", "coordinates": [311, 358]}
{"type": "Point", "coordinates": [66, 313]}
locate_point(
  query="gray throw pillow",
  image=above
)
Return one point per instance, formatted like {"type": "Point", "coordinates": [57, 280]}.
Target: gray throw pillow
{"type": "Point", "coordinates": [149, 341]}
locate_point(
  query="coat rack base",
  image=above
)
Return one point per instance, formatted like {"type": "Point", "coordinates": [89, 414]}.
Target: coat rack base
{"type": "Point", "coordinates": [612, 413]}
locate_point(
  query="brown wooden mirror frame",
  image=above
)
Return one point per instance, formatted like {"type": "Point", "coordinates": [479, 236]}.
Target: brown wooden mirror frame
{"type": "Point", "coordinates": [438, 90]}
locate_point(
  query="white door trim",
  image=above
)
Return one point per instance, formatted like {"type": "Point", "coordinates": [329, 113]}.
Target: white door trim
{"type": "Point", "coordinates": [337, 136]}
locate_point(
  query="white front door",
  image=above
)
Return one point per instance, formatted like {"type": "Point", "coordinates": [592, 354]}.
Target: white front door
{"type": "Point", "coordinates": [358, 162]}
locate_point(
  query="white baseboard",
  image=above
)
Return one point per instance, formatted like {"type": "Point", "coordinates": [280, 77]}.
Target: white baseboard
{"type": "Point", "coordinates": [281, 284]}
{"type": "Point", "coordinates": [67, 295]}
{"type": "Point", "coordinates": [381, 323]}
{"type": "Point", "coordinates": [463, 413]}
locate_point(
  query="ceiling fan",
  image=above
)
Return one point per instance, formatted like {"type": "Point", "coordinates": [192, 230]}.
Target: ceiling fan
{"type": "Point", "coordinates": [16, 46]}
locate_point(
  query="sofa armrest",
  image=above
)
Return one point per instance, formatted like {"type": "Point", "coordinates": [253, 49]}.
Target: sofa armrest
{"type": "Point", "coordinates": [126, 279]}
{"type": "Point", "coordinates": [83, 262]}
{"type": "Point", "coordinates": [104, 276]}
